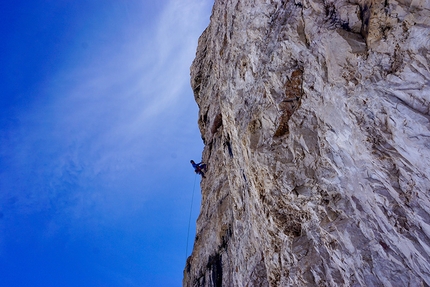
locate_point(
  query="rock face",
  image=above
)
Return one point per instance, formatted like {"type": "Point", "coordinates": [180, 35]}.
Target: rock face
{"type": "Point", "coordinates": [315, 118]}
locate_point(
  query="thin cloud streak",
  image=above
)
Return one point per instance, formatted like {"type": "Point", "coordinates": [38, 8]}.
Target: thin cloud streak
{"type": "Point", "coordinates": [99, 130]}
{"type": "Point", "coordinates": [174, 48]}
{"type": "Point", "coordinates": [94, 170]}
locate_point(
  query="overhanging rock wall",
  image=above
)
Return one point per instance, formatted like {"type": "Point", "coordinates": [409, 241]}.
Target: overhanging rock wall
{"type": "Point", "coordinates": [315, 118]}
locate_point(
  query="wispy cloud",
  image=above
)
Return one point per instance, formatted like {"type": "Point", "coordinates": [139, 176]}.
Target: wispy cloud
{"type": "Point", "coordinates": [81, 147]}
{"type": "Point", "coordinates": [94, 161]}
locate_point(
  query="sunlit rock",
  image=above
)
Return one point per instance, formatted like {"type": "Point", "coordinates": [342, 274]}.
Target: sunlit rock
{"type": "Point", "coordinates": [315, 118]}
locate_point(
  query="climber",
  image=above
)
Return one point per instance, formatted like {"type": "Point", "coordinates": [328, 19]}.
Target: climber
{"type": "Point", "coordinates": [199, 168]}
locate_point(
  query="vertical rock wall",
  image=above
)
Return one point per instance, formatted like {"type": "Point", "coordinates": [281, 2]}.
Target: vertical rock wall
{"type": "Point", "coordinates": [315, 118]}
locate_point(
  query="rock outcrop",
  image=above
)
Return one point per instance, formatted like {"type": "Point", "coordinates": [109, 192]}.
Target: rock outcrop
{"type": "Point", "coordinates": [316, 123]}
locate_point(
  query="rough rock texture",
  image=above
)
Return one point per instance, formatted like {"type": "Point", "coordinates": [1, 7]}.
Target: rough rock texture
{"type": "Point", "coordinates": [315, 118]}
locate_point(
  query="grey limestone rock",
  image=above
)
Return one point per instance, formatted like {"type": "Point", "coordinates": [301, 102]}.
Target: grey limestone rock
{"type": "Point", "coordinates": [315, 118]}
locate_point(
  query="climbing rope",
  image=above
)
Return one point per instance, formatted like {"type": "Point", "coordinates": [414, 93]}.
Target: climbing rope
{"type": "Point", "coordinates": [189, 220]}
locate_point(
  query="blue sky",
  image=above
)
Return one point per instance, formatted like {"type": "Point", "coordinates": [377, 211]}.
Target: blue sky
{"type": "Point", "coordinates": [97, 126]}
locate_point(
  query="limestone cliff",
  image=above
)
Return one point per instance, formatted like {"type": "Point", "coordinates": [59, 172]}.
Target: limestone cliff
{"type": "Point", "coordinates": [315, 118]}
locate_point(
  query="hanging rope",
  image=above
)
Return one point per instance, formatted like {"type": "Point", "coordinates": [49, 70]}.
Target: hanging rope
{"type": "Point", "coordinates": [189, 220]}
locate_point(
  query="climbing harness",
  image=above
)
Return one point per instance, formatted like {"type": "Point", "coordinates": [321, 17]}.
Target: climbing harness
{"type": "Point", "coordinates": [189, 220]}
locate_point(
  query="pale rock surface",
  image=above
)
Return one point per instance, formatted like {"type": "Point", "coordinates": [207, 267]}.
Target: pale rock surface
{"type": "Point", "coordinates": [315, 118]}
